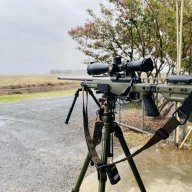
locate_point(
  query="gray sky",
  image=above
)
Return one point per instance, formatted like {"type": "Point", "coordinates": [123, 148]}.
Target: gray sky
{"type": "Point", "coordinates": [34, 34]}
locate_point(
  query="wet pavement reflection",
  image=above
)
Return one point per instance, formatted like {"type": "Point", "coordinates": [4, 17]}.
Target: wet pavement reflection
{"type": "Point", "coordinates": [162, 169]}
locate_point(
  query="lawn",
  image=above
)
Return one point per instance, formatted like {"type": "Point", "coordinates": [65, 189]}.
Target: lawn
{"type": "Point", "coordinates": [21, 97]}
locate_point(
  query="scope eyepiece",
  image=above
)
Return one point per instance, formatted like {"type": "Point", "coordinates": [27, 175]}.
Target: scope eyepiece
{"type": "Point", "coordinates": [139, 65]}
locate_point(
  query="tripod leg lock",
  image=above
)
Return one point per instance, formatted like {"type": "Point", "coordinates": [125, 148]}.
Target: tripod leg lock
{"type": "Point", "coordinates": [97, 132]}
{"type": "Point", "coordinates": [102, 175]}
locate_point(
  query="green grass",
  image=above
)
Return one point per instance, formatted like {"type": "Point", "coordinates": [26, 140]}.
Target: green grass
{"type": "Point", "coordinates": [134, 138]}
{"type": "Point", "coordinates": [21, 97]}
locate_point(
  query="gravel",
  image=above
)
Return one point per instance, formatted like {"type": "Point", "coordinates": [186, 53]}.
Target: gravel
{"type": "Point", "coordinates": [38, 151]}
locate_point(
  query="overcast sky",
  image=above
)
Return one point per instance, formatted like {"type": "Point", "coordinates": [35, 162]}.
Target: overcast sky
{"type": "Point", "coordinates": [34, 34]}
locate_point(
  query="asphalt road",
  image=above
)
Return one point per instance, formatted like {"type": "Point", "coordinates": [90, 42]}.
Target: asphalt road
{"type": "Point", "coordinates": [38, 152]}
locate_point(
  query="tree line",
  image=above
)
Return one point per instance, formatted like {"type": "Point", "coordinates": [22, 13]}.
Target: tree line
{"type": "Point", "coordinates": [134, 30]}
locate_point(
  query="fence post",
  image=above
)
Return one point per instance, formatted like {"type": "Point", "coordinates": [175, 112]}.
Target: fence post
{"type": "Point", "coordinates": [119, 113]}
{"type": "Point", "coordinates": [142, 115]}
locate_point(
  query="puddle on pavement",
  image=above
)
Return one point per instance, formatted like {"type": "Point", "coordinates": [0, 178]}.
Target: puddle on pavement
{"type": "Point", "coordinates": [7, 119]}
{"type": "Point", "coordinates": [2, 121]}
{"type": "Point", "coordinates": [170, 162]}
{"type": "Point", "coordinates": [162, 170]}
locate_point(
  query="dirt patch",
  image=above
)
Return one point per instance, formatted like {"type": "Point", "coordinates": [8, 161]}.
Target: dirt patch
{"type": "Point", "coordinates": [133, 117]}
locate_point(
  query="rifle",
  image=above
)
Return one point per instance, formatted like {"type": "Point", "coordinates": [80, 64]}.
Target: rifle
{"type": "Point", "coordinates": [121, 82]}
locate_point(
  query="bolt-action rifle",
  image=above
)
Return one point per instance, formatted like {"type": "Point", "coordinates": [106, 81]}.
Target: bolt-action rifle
{"type": "Point", "coordinates": [119, 81]}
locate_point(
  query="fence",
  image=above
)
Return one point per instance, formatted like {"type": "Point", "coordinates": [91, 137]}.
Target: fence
{"type": "Point", "coordinates": [133, 116]}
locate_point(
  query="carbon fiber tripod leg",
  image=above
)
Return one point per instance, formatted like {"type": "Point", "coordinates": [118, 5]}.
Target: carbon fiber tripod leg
{"type": "Point", "coordinates": [107, 116]}
{"type": "Point", "coordinates": [82, 173]}
{"type": "Point", "coordinates": [125, 148]}
{"type": "Point", "coordinates": [104, 156]}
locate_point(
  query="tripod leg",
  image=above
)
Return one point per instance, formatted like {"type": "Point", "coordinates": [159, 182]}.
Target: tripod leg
{"type": "Point", "coordinates": [72, 106]}
{"type": "Point", "coordinates": [125, 148]}
{"type": "Point", "coordinates": [105, 147]}
{"type": "Point", "coordinates": [104, 156]}
{"type": "Point", "coordinates": [82, 173]}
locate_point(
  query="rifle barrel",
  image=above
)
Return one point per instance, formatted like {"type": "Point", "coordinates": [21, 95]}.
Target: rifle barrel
{"type": "Point", "coordinates": [82, 78]}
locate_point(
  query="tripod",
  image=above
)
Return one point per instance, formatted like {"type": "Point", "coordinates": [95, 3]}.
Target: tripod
{"type": "Point", "coordinates": [109, 127]}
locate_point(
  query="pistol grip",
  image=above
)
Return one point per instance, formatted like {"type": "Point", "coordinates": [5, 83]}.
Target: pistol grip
{"type": "Point", "coordinates": [150, 106]}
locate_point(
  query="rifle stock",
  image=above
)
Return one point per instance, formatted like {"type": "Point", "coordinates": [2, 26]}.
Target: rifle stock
{"type": "Point", "coordinates": [143, 91]}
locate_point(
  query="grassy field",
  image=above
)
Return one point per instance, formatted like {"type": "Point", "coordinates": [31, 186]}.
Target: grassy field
{"type": "Point", "coordinates": [21, 97]}
{"type": "Point", "coordinates": [7, 80]}
{"type": "Point", "coordinates": [13, 80]}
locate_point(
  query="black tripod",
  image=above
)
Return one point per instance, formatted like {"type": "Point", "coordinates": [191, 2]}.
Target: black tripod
{"type": "Point", "coordinates": [109, 127]}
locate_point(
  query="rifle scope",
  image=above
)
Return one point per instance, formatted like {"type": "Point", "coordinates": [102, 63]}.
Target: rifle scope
{"type": "Point", "coordinates": [144, 65]}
